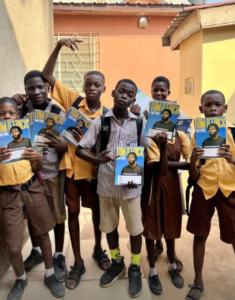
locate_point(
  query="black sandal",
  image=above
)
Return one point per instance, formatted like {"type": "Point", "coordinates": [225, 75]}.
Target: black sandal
{"type": "Point", "coordinates": [195, 287]}
{"type": "Point", "coordinates": [75, 274]}
{"type": "Point", "coordinates": [102, 258]}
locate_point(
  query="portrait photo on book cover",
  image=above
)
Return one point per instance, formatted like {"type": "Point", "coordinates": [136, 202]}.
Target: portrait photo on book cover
{"type": "Point", "coordinates": [132, 169]}
{"type": "Point", "coordinates": [165, 123]}
{"type": "Point", "coordinates": [50, 124]}
{"type": "Point", "coordinates": [18, 140]}
{"type": "Point", "coordinates": [214, 140]}
{"type": "Point", "coordinates": [80, 125]}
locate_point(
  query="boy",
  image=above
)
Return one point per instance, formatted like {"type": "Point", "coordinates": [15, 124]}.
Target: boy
{"type": "Point", "coordinates": [80, 176]}
{"type": "Point", "coordinates": [22, 192]}
{"type": "Point", "coordinates": [215, 187]}
{"type": "Point", "coordinates": [123, 132]}
{"type": "Point", "coordinates": [36, 89]}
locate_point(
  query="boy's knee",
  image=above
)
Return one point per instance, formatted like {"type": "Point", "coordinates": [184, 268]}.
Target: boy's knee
{"type": "Point", "coordinates": [200, 239]}
{"type": "Point", "coordinates": [43, 237]}
{"type": "Point", "coordinates": [14, 250]}
{"type": "Point", "coordinates": [74, 215]}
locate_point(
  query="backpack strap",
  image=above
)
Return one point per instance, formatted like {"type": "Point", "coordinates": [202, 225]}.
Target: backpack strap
{"type": "Point", "coordinates": [139, 125]}
{"type": "Point", "coordinates": [105, 132]}
{"type": "Point", "coordinates": [233, 133]}
{"type": "Point", "coordinates": [55, 109]}
{"type": "Point", "coordinates": [77, 102]}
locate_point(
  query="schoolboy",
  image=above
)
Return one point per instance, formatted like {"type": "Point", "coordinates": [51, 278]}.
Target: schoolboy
{"type": "Point", "coordinates": [36, 89]}
{"type": "Point", "coordinates": [22, 192]}
{"type": "Point", "coordinates": [80, 175]}
{"type": "Point", "coordinates": [123, 132]}
{"type": "Point", "coordinates": [215, 187]}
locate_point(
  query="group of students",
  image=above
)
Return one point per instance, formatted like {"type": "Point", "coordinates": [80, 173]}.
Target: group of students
{"type": "Point", "coordinates": [35, 186]}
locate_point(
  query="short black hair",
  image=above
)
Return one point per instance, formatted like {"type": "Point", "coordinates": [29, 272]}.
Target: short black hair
{"type": "Point", "coordinates": [51, 120]}
{"type": "Point", "coordinates": [168, 110]}
{"type": "Point", "coordinates": [127, 81]}
{"type": "Point", "coordinates": [215, 125]}
{"type": "Point", "coordinates": [4, 100]}
{"type": "Point", "coordinates": [80, 120]}
{"type": "Point", "coordinates": [162, 79]}
{"type": "Point", "coordinates": [95, 73]}
{"type": "Point", "coordinates": [33, 74]}
{"type": "Point", "coordinates": [16, 127]}
{"type": "Point", "coordinates": [210, 92]}
{"type": "Point", "coordinates": [133, 153]}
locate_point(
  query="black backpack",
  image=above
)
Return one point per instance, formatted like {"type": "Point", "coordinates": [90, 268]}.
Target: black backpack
{"type": "Point", "coordinates": [192, 183]}
{"type": "Point", "coordinates": [106, 128]}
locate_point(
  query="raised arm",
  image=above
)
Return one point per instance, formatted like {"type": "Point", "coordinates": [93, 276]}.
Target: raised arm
{"type": "Point", "coordinates": [48, 70]}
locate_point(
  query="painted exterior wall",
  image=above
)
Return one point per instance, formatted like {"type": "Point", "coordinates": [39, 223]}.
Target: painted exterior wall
{"type": "Point", "coordinates": [218, 64]}
{"type": "Point", "coordinates": [191, 67]}
{"type": "Point", "coordinates": [126, 50]}
{"type": "Point", "coordinates": [26, 40]}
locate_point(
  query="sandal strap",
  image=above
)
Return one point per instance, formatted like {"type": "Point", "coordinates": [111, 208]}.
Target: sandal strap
{"type": "Point", "coordinates": [75, 270]}
{"type": "Point", "coordinates": [192, 296]}
{"type": "Point", "coordinates": [196, 287]}
{"type": "Point", "coordinates": [101, 256]}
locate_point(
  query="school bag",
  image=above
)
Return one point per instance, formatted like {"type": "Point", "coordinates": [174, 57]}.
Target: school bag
{"type": "Point", "coordinates": [192, 183]}
{"type": "Point", "coordinates": [106, 128]}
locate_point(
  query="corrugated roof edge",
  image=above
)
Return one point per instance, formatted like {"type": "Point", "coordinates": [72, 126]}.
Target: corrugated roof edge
{"type": "Point", "coordinates": [182, 15]}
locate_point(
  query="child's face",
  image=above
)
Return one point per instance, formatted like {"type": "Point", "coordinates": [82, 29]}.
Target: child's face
{"type": "Point", "coordinates": [124, 95]}
{"type": "Point", "coordinates": [8, 111]}
{"type": "Point", "coordinates": [213, 105]}
{"type": "Point", "coordinates": [160, 91]}
{"type": "Point", "coordinates": [93, 87]}
{"type": "Point", "coordinates": [37, 91]}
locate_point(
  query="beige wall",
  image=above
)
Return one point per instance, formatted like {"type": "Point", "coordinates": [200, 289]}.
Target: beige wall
{"type": "Point", "coordinates": [26, 40]}
{"type": "Point", "coordinates": [191, 67]}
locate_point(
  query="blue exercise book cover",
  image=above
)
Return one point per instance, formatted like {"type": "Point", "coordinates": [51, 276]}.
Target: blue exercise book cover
{"type": "Point", "coordinates": [43, 122]}
{"type": "Point", "coordinates": [142, 100]}
{"type": "Point", "coordinates": [183, 124]}
{"type": "Point", "coordinates": [14, 134]}
{"type": "Point", "coordinates": [210, 134]}
{"type": "Point", "coordinates": [130, 165]}
{"type": "Point", "coordinates": [163, 116]}
{"type": "Point", "coordinates": [74, 119]}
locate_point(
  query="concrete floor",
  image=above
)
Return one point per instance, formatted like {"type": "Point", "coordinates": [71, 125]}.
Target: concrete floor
{"type": "Point", "coordinates": [219, 269]}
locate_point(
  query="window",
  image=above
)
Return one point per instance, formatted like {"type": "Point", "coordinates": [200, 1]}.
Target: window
{"type": "Point", "coordinates": [71, 65]}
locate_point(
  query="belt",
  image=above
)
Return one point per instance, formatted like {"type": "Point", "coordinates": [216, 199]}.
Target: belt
{"type": "Point", "coordinates": [20, 187]}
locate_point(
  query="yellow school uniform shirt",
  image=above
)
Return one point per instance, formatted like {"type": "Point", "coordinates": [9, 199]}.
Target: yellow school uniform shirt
{"type": "Point", "coordinates": [217, 173]}
{"type": "Point", "coordinates": [153, 153]}
{"type": "Point", "coordinates": [15, 173]}
{"type": "Point", "coordinates": [70, 162]}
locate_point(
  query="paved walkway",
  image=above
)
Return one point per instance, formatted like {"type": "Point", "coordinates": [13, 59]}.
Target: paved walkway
{"type": "Point", "coordinates": [219, 271]}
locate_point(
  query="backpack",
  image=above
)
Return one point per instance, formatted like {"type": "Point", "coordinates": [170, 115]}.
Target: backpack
{"type": "Point", "coordinates": [192, 183]}
{"type": "Point", "coordinates": [106, 128]}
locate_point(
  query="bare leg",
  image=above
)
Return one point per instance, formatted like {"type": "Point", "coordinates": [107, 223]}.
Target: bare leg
{"type": "Point", "coordinates": [199, 245]}
{"type": "Point", "coordinates": [59, 237]}
{"type": "Point", "coordinates": [170, 250]}
{"type": "Point", "coordinates": [151, 252]}
{"type": "Point", "coordinates": [45, 245]}
{"type": "Point", "coordinates": [16, 261]}
{"type": "Point", "coordinates": [113, 239]}
{"type": "Point", "coordinates": [136, 243]}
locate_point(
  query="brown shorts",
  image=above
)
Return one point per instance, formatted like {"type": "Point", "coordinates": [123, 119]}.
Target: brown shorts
{"type": "Point", "coordinates": [32, 202]}
{"type": "Point", "coordinates": [53, 195]}
{"type": "Point", "coordinates": [86, 189]}
{"type": "Point", "coordinates": [202, 210]}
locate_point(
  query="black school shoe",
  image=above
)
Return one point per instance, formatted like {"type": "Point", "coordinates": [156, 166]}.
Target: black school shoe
{"type": "Point", "coordinates": [60, 267]}
{"type": "Point", "coordinates": [57, 289]}
{"type": "Point", "coordinates": [155, 285]}
{"type": "Point", "coordinates": [32, 260]}
{"type": "Point", "coordinates": [135, 281]}
{"type": "Point", "coordinates": [18, 289]}
{"type": "Point", "coordinates": [176, 278]}
{"type": "Point", "coordinates": [113, 273]}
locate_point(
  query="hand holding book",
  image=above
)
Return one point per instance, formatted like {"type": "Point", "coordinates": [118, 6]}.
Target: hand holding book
{"type": "Point", "coordinates": [5, 153]}
{"type": "Point", "coordinates": [226, 153]}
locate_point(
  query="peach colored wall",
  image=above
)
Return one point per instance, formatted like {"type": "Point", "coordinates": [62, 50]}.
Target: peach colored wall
{"type": "Point", "coordinates": [126, 50]}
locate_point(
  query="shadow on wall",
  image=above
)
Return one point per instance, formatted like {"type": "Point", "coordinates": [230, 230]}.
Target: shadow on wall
{"type": "Point", "coordinates": [12, 65]}
{"type": "Point", "coordinates": [230, 115]}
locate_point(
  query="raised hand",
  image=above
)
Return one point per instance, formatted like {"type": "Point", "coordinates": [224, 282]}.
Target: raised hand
{"type": "Point", "coordinates": [73, 44]}
{"type": "Point", "coordinates": [135, 109]}
{"type": "Point", "coordinates": [20, 99]}
{"type": "Point", "coordinates": [77, 134]}
{"type": "Point", "coordinates": [161, 138]}
{"type": "Point", "coordinates": [31, 155]}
